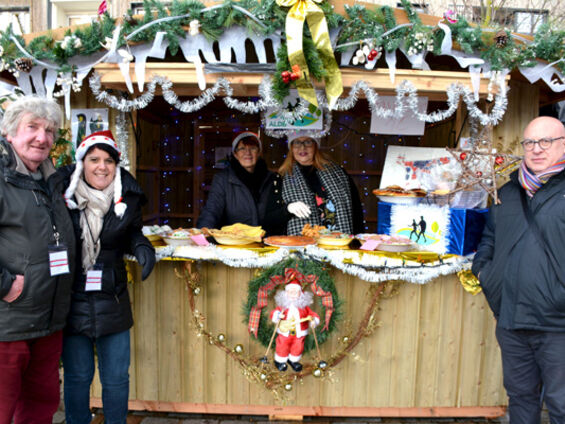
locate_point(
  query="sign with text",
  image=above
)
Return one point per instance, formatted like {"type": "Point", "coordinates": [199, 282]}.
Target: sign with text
{"type": "Point", "coordinates": [312, 120]}
{"type": "Point", "coordinates": [407, 125]}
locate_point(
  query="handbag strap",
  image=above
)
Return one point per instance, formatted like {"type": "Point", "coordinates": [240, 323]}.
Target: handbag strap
{"type": "Point", "coordinates": [538, 234]}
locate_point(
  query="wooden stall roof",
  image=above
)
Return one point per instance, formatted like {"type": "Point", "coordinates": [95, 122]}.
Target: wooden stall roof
{"type": "Point", "coordinates": [432, 83]}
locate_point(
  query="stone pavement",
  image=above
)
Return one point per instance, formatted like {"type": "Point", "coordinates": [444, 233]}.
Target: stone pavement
{"type": "Point", "coordinates": [136, 417]}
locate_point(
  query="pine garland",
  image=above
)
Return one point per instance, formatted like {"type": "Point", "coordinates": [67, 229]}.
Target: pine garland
{"type": "Point", "coordinates": [63, 151]}
{"type": "Point", "coordinates": [306, 267]}
{"type": "Point", "coordinates": [359, 24]}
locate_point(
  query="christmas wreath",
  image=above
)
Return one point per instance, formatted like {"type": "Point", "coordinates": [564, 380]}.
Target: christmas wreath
{"type": "Point", "coordinates": [322, 285]}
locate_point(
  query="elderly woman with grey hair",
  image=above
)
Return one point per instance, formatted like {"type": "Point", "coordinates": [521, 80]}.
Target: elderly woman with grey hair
{"type": "Point", "coordinates": [37, 248]}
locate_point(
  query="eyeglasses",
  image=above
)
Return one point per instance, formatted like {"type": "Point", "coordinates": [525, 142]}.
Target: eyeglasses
{"type": "Point", "coordinates": [250, 149]}
{"type": "Point", "coordinates": [303, 143]}
{"type": "Point", "coordinates": [544, 143]}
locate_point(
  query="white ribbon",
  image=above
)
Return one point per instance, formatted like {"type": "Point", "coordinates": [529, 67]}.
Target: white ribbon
{"type": "Point", "coordinates": [390, 58]}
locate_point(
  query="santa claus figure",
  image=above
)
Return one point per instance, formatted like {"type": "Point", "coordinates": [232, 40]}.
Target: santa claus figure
{"type": "Point", "coordinates": [293, 317]}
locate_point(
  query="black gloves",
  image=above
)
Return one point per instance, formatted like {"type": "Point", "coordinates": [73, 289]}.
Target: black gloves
{"type": "Point", "coordinates": [146, 258]}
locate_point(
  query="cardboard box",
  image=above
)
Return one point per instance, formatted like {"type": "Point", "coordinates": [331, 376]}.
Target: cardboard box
{"type": "Point", "coordinates": [438, 229]}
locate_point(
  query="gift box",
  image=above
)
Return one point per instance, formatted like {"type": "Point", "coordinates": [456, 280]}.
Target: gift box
{"type": "Point", "coordinates": [434, 228]}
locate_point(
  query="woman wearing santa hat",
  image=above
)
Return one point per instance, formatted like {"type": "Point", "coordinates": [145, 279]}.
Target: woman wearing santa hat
{"type": "Point", "coordinates": [317, 191]}
{"type": "Point", "coordinates": [105, 205]}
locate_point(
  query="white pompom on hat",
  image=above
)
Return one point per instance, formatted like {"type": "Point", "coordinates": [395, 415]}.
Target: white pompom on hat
{"type": "Point", "coordinates": [99, 137]}
{"type": "Point", "coordinates": [246, 134]}
{"type": "Point", "coordinates": [294, 134]}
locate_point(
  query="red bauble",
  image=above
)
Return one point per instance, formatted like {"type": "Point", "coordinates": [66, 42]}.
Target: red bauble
{"type": "Point", "coordinates": [285, 74]}
{"type": "Point", "coordinates": [286, 80]}
{"type": "Point", "coordinates": [374, 53]}
{"type": "Point", "coordinates": [479, 174]}
{"type": "Point", "coordinates": [499, 160]}
{"type": "Point", "coordinates": [294, 76]}
{"type": "Point", "coordinates": [463, 156]}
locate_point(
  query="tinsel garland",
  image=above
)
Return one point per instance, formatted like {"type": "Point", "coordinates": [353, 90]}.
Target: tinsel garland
{"type": "Point", "coordinates": [122, 137]}
{"type": "Point", "coordinates": [406, 99]}
{"type": "Point", "coordinates": [376, 270]}
{"type": "Point", "coordinates": [306, 267]}
{"type": "Point", "coordinates": [233, 257]}
{"type": "Point", "coordinates": [366, 266]}
{"type": "Point", "coordinates": [260, 372]}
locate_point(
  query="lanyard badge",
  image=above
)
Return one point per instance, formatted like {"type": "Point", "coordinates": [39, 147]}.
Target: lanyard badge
{"type": "Point", "coordinates": [58, 260]}
{"type": "Point", "coordinates": [93, 280]}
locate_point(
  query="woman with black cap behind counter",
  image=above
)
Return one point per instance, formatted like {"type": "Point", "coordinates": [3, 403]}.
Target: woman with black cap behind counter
{"type": "Point", "coordinates": [240, 192]}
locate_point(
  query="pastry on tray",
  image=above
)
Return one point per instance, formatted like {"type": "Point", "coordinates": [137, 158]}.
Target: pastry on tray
{"type": "Point", "coordinates": [289, 241]}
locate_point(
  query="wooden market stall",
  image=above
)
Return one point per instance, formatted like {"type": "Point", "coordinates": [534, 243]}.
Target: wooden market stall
{"type": "Point", "coordinates": [430, 349]}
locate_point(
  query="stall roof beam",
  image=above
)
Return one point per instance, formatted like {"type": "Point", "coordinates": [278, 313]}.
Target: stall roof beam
{"type": "Point", "coordinates": [432, 84]}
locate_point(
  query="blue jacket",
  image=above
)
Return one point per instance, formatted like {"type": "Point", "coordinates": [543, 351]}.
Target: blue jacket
{"type": "Point", "coordinates": [518, 279]}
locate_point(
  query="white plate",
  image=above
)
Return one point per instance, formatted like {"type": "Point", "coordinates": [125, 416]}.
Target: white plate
{"type": "Point", "coordinates": [401, 200]}
{"type": "Point", "coordinates": [178, 241]}
{"type": "Point", "coordinates": [395, 247]}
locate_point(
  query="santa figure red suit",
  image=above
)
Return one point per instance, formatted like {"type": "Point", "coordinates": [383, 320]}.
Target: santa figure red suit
{"type": "Point", "coordinates": [293, 317]}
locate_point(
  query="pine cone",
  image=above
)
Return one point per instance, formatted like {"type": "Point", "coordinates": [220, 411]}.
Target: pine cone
{"type": "Point", "coordinates": [130, 19]}
{"type": "Point", "coordinates": [23, 64]}
{"type": "Point", "coordinates": [501, 38]}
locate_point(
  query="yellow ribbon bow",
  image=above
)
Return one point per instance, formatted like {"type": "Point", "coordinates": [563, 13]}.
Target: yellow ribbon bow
{"type": "Point", "coordinates": [307, 10]}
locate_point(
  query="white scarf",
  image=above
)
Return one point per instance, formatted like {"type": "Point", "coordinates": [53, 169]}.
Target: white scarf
{"type": "Point", "coordinates": [93, 204]}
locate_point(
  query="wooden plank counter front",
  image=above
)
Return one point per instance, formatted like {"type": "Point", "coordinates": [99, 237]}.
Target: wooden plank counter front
{"type": "Point", "coordinates": [434, 353]}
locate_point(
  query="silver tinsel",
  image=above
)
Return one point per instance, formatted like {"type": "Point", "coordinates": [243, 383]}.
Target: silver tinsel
{"type": "Point", "coordinates": [122, 138]}
{"type": "Point", "coordinates": [406, 99]}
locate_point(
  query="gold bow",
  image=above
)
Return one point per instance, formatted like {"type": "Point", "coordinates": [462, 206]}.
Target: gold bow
{"type": "Point", "coordinates": [301, 10]}
{"type": "Point", "coordinates": [469, 282]}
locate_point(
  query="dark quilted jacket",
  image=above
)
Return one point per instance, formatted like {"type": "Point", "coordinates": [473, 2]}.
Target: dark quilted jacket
{"type": "Point", "coordinates": [108, 311]}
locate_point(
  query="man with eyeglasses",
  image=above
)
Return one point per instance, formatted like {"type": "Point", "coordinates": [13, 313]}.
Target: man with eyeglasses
{"type": "Point", "coordinates": [519, 263]}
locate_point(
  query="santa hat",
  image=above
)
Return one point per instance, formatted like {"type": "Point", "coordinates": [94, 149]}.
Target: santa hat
{"type": "Point", "coordinates": [293, 282]}
{"type": "Point", "coordinates": [294, 134]}
{"type": "Point", "coordinates": [100, 137]}
{"type": "Point", "coordinates": [241, 136]}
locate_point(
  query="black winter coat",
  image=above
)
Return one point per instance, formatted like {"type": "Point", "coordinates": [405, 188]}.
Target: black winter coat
{"type": "Point", "coordinates": [230, 201]}
{"type": "Point", "coordinates": [108, 311]}
{"type": "Point", "coordinates": [517, 277]}
{"type": "Point", "coordinates": [25, 233]}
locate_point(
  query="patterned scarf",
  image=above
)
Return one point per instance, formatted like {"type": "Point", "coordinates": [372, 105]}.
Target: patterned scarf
{"type": "Point", "coordinates": [334, 180]}
{"type": "Point", "coordinates": [532, 182]}
{"type": "Point", "coordinates": [93, 204]}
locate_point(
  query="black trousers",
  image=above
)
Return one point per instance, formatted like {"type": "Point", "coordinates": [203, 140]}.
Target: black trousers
{"type": "Point", "coordinates": [533, 364]}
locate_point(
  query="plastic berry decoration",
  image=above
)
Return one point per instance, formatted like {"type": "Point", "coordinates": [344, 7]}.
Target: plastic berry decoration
{"type": "Point", "coordinates": [479, 174]}
{"type": "Point", "coordinates": [463, 156]}
{"type": "Point", "coordinates": [295, 74]}
{"type": "Point", "coordinates": [285, 76]}
{"type": "Point", "coordinates": [499, 160]}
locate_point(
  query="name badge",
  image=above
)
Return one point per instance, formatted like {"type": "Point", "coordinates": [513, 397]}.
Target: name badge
{"type": "Point", "coordinates": [58, 260]}
{"type": "Point", "coordinates": [93, 280]}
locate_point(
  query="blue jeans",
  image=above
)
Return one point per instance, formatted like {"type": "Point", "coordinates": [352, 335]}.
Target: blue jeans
{"type": "Point", "coordinates": [113, 353]}
{"type": "Point", "coordinates": [533, 364]}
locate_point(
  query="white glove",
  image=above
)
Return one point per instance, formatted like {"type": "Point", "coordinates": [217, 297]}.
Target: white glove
{"type": "Point", "coordinates": [300, 209]}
